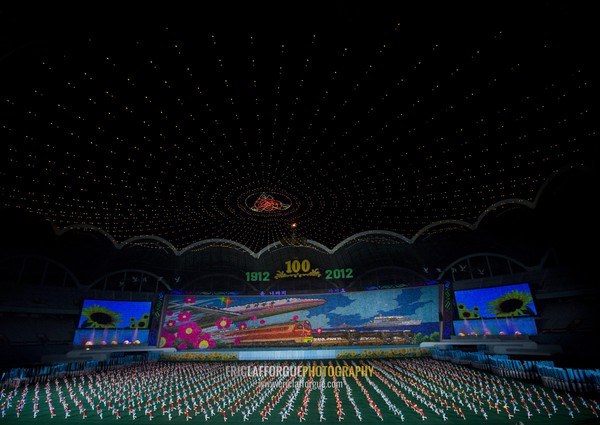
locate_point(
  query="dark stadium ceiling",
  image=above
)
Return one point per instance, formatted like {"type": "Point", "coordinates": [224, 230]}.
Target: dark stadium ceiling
{"type": "Point", "coordinates": [242, 120]}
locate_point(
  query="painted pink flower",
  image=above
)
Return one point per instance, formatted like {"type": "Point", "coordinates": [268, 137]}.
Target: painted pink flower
{"type": "Point", "coordinates": [184, 317]}
{"type": "Point", "coordinates": [169, 313]}
{"type": "Point", "coordinates": [236, 341]}
{"type": "Point", "coordinates": [252, 317]}
{"type": "Point", "coordinates": [295, 318]}
{"type": "Point", "coordinates": [224, 323]}
{"type": "Point", "coordinates": [189, 300]}
{"type": "Point", "coordinates": [182, 346]}
{"type": "Point", "coordinates": [166, 340]}
{"type": "Point", "coordinates": [242, 326]}
{"type": "Point", "coordinates": [171, 324]}
{"type": "Point", "coordinates": [262, 321]}
{"type": "Point", "coordinates": [201, 344]}
{"type": "Point", "coordinates": [319, 330]}
{"type": "Point", "coordinates": [204, 341]}
{"type": "Point", "coordinates": [188, 331]}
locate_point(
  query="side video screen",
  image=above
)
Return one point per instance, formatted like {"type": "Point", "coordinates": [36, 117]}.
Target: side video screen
{"type": "Point", "coordinates": [495, 302]}
{"type": "Point", "coordinates": [108, 322]}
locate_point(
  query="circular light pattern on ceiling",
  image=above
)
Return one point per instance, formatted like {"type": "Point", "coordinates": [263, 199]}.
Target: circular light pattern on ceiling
{"type": "Point", "coordinates": [374, 118]}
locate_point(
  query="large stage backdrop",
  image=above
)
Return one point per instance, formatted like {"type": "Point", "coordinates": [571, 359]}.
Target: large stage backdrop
{"type": "Point", "coordinates": [406, 316]}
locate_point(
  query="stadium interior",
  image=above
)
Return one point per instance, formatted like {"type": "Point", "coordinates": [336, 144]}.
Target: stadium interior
{"type": "Point", "coordinates": [350, 184]}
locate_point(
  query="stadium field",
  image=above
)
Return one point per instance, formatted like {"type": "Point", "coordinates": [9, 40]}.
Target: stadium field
{"type": "Point", "coordinates": [369, 391]}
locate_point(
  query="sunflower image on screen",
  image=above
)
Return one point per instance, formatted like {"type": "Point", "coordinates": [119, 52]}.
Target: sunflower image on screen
{"type": "Point", "coordinates": [97, 316]}
{"type": "Point", "coordinates": [465, 313]}
{"type": "Point", "coordinates": [109, 314]}
{"type": "Point", "coordinates": [511, 304]}
{"type": "Point", "coordinates": [141, 323]}
{"type": "Point", "coordinates": [506, 301]}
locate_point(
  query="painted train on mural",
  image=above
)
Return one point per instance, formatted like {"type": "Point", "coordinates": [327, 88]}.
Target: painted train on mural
{"type": "Point", "coordinates": [300, 333]}
{"type": "Point", "coordinates": [279, 334]}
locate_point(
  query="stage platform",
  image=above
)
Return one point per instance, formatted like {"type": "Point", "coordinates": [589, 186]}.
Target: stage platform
{"type": "Point", "coordinates": [256, 354]}
{"type": "Point", "coordinates": [508, 345]}
{"type": "Point", "coordinates": [517, 345]}
{"type": "Point", "coordinates": [304, 353]}
{"type": "Point", "coordinates": [102, 353]}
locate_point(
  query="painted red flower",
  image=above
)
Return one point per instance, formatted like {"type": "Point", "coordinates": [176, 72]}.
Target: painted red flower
{"type": "Point", "coordinates": [224, 323]}
{"type": "Point", "coordinates": [167, 340]}
{"type": "Point", "coordinates": [201, 344]}
{"type": "Point", "coordinates": [188, 331]}
{"type": "Point", "coordinates": [204, 341]}
{"type": "Point", "coordinates": [184, 317]}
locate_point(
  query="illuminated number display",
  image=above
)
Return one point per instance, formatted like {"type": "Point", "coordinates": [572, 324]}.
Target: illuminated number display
{"type": "Point", "coordinates": [297, 266]}
{"type": "Point", "coordinates": [258, 276]}
{"type": "Point", "coordinates": [338, 274]}
{"type": "Point", "coordinates": [300, 269]}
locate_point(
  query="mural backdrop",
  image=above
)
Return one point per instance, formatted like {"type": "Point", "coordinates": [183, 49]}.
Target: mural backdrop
{"type": "Point", "coordinates": [384, 317]}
